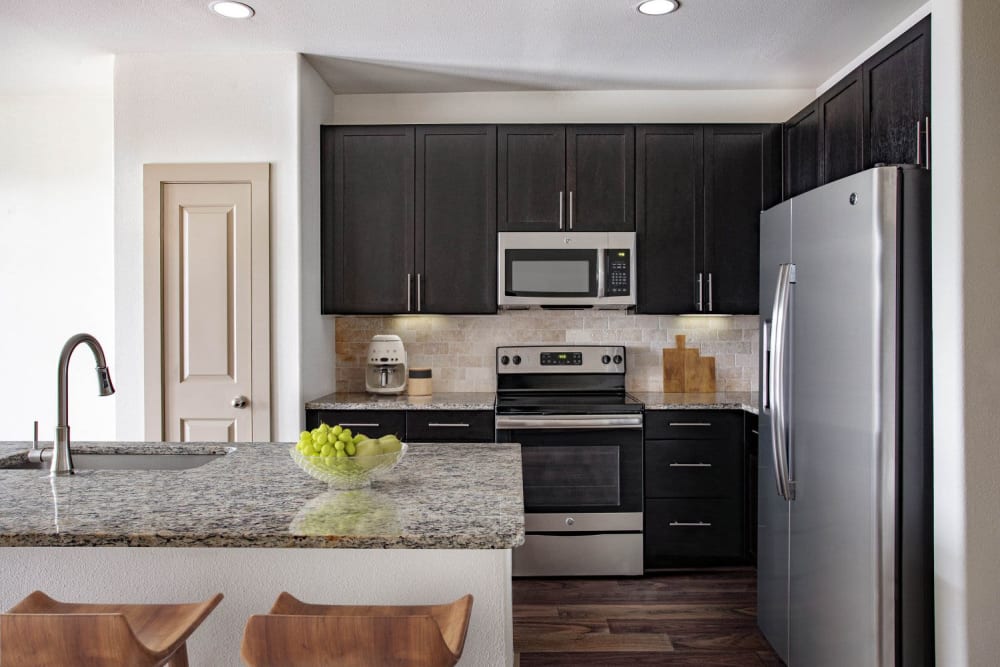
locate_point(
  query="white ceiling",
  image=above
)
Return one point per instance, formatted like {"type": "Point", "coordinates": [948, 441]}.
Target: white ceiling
{"type": "Point", "coordinates": [468, 45]}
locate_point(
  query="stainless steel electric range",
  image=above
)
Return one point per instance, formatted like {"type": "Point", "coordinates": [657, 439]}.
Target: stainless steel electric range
{"type": "Point", "coordinates": [581, 447]}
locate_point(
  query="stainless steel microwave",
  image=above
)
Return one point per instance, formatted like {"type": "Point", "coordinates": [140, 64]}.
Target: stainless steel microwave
{"type": "Point", "coordinates": [566, 269]}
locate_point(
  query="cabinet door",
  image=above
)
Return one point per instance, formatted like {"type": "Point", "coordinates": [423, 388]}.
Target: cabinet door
{"type": "Point", "coordinates": [600, 178]}
{"type": "Point", "coordinates": [842, 130]}
{"type": "Point", "coordinates": [801, 146]}
{"type": "Point", "coordinates": [897, 95]}
{"type": "Point", "coordinates": [669, 209]}
{"type": "Point", "coordinates": [367, 219]}
{"type": "Point", "coordinates": [456, 259]}
{"type": "Point", "coordinates": [742, 177]}
{"type": "Point", "coordinates": [532, 178]}
{"type": "Point", "coordinates": [450, 426]}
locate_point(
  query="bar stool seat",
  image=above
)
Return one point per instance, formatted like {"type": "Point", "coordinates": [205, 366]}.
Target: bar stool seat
{"type": "Point", "coordinates": [298, 634]}
{"type": "Point", "coordinates": [41, 631]}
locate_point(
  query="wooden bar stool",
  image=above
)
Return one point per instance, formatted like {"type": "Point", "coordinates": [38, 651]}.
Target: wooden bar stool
{"type": "Point", "coordinates": [41, 631]}
{"type": "Point", "coordinates": [297, 634]}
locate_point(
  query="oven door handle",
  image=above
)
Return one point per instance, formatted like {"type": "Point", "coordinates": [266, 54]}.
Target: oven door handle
{"type": "Point", "coordinates": [569, 421]}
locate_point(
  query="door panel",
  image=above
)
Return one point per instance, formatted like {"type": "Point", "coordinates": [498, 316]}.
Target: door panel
{"type": "Point", "coordinates": [772, 509]}
{"type": "Point", "coordinates": [842, 122]}
{"type": "Point", "coordinates": [208, 430]}
{"type": "Point", "coordinates": [206, 307]}
{"type": "Point", "coordinates": [834, 451]}
{"type": "Point", "coordinates": [600, 175]}
{"type": "Point", "coordinates": [531, 178]}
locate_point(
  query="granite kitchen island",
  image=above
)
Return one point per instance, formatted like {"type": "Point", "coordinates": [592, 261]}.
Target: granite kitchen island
{"type": "Point", "coordinates": [252, 524]}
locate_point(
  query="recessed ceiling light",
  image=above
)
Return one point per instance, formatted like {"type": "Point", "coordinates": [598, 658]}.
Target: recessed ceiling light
{"type": "Point", "coordinates": [658, 7]}
{"type": "Point", "coordinates": [232, 10]}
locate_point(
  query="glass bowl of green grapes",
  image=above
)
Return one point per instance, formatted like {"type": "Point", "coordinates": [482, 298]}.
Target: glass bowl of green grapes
{"type": "Point", "coordinates": [346, 460]}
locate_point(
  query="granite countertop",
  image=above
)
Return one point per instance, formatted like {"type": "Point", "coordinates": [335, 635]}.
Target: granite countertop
{"type": "Point", "coordinates": [440, 496]}
{"type": "Point", "coordinates": [471, 400]}
{"type": "Point", "coordinates": [720, 400]}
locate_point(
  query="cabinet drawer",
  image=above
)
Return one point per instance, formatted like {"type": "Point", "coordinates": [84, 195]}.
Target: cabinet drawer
{"type": "Point", "coordinates": [373, 423]}
{"type": "Point", "coordinates": [694, 424]}
{"type": "Point", "coordinates": [688, 529]}
{"type": "Point", "coordinates": [693, 469]}
{"type": "Point", "coordinates": [449, 426]}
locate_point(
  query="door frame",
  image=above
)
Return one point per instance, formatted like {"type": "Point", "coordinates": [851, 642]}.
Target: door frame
{"type": "Point", "coordinates": [154, 176]}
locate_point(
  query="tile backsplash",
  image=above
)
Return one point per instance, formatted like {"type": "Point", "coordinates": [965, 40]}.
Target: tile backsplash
{"type": "Point", "coordinates": [461, 349]}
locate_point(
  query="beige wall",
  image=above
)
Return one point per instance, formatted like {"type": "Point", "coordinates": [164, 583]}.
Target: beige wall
{"type": "Point", "coordinates": [461, 350]}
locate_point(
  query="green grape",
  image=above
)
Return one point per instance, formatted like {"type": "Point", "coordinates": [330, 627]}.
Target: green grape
{"type": "Point", "coordinates": [317, 447]}
{"type": "Point", "coordinates": [321, 439]}
{"type": "Point", "coordinates": [339, 445]}
{"type": "Point", "coordinates": [345, 437]}
{"type": "Point", "coordinates": [327, 450]}
{"type": "Point", "coordinates": [341, 454]}
{"type": "Point", "coordinates": [351, 449]}
{"type": "Point", "coordinates": [358, 437]}
{"type": "Point", "coordinates": [338, 429]}
{"type": "Point", "coordinates": [304, 435]}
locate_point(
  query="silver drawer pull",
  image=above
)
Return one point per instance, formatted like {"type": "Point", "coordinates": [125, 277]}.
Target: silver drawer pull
{"type": "Point", "coordinates": [690, 465]}
{"type": "Point", "coordinates": [754, 431]}
{"type": "Point", "coordinates": [690, 423]}
{"type": "Point", "coordinates": [442, 425]}
{"type": "Point", "coordinates": [346, 425]}
{"type": "Point", "coordinates": [695, 524]}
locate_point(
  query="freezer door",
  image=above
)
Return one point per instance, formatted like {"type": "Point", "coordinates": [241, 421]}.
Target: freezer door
{"type": "Point", "coordinates": [772, 508]}
{"type": "Point", "coordinates": [842, 441]}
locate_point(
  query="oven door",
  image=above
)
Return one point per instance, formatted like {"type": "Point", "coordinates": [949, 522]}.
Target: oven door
{"type": "Point", "coordinates": [583, 494]}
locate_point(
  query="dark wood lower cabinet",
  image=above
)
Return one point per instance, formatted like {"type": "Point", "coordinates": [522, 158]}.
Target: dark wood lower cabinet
{"type": "Point", "coordinates": [411, 425]}
{"type": "Point", "coordinates": [373, 423]}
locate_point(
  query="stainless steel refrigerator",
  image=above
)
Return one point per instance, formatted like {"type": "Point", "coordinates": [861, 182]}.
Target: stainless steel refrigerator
{"type": "Point", "coordinates": [844, 482]}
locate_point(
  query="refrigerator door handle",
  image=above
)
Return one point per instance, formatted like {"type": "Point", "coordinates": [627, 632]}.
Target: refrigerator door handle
{"type": "Point", "coordinates": [765, 337]}
{"type": "Point", "coordinates": [776, 381]}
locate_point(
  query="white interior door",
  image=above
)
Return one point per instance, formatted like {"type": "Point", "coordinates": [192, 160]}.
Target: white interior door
{"type": "Point", "coordinates": [214, 357]}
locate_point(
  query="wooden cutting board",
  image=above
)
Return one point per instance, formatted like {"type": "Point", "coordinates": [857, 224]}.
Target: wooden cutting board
{"type": "Point", "coordinates": [673, 367]}
{"type": "Point", "coordinates": [699, 374]}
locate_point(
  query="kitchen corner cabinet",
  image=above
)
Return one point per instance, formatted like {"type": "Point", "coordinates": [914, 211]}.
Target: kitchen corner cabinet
{"type": "Point", "coordinates": [695, 513]}
{"type": "Point", "coordinates": [699, 192]}
{"type": "Point", "coordinates": [396, 202]}
{"type": "Point", "coordinates": [801, 151]}
{"type": "Point", "coordinates": [577, 178]}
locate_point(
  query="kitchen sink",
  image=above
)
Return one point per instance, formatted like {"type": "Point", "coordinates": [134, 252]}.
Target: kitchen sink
{"type": "Point", "coordinates": [85, 461]}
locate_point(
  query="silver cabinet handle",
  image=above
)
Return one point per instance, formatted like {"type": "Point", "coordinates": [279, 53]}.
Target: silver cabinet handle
{"type": "Point", "coordinates": [418, 292]}
{"type": "Point", "coordinates": [409, 290]}
{"type": "Point", "coordinates": [754, 431]}
{"type": "Point", "coordinates": [571, 209]}
{"type": "Point", "coordinates": [919, 133]}
{"type": "Point", "coordinates": [240, 402]}
{"type": "Point", "coordinates": [698, 306]}
{"type": "Point", "coordinates": [690, 524]}
{"type": "Point", "coordinates": [779, 420]}
{"type": "Point", "coordinates": [690, 423]}
{"type": "Point", "coordinates": [927, 142]}
{"type": "Point", "coordinates": [444, 425]}
{"type": "Point", "coordinates": [346, 425]}
{"type": "Point", "coordinates": [568, 421]}
{"type": "Point", "coordinates": [560, 209]}
{"type": "Point", "coordinates": [709, 291]}
{"type": "Point", "coordinates": [690, 465]}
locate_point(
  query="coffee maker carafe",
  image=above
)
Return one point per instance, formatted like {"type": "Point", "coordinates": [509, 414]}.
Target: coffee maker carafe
{"type": "Point", "coordinates": [386, 370]}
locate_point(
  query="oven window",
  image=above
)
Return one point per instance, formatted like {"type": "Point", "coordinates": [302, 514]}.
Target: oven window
{"type": "Point", "coordinates": [551, 272]}
{"type": "Point", "coordinates": [571, 476]}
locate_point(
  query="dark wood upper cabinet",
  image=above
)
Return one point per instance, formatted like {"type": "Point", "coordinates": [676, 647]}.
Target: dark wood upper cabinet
{"type": "Point", "coordinates": [841, 113]}
{"type": "Point", "coordinates": [669, 216]}
{"type": "Point", "coordinates": [700, 191]}
{"type": "Point", "coordinates": [600, 178]}
{"type": "Point", "coordinates": [532, 178]}
{"type": "Point", "coordinates": [561, 178]}
{"type": "Point", "coordinates": [408, 219]}
{"type": "Point", "coordinates": [367, 211]}
{"type": "Point", "coordinates": [801, 151]}
{"type": "Point", "coordinates": [456, 219]}
{"type": "Point", "coordinates": [897, 96]}
{"type": "Point", "coordinates": [742, 178]}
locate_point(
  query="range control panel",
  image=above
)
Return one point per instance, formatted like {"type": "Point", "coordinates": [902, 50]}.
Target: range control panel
{"type": "Point", "coordinates": [565, 359]}
{"type": "Point", "coordinates": [619, 268]}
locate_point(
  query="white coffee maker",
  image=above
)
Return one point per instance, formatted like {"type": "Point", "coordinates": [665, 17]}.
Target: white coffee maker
{"type": "Point", "coordinates": [386, 371]}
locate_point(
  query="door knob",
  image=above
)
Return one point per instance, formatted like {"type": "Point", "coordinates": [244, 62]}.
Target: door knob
{"type": "Point", "coordinates": [240, 402]}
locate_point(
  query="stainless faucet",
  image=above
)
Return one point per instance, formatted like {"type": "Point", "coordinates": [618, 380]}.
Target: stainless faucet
{"type": "Point", "coordinates": [62, 460]}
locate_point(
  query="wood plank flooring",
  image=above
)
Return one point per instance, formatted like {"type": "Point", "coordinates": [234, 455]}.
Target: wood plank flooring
{"type": "Point", "coordinates": [696, 619]}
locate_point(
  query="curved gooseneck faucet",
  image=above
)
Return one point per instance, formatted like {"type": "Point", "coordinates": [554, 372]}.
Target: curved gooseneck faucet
{"type": "Point", "coordinates": [62, 460]}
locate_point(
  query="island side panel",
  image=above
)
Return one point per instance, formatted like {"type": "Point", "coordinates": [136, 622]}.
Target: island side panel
{"type": "Point", "coordinates": [251, 578]}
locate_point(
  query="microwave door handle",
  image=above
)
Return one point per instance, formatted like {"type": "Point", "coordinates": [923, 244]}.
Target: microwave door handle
{"type": "Point", "coordinates": [601, 259]}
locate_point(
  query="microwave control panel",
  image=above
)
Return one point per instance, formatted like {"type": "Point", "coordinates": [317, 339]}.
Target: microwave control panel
{"type": "Point", "coordinates": [618, 271]}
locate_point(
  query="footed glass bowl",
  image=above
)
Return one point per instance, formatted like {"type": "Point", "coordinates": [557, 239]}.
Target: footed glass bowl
{"type": "Point", "coordinates": [350, 472]}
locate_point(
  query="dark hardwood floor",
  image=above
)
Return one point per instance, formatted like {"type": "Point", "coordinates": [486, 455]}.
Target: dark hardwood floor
{"type": "Point", "coordinates": [703, 619]}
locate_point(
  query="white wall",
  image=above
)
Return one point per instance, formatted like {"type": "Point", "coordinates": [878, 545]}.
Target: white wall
{"type": "Point", "coordinates": [966, 244]}
{"type": "Point", "coordinates": [56, 257]}
{"type": "Point", "coordinates": [614, 106]}
{"type": "Point", "coordinates": [207, 108]}
{"type": "Point", "coordinates": [318, 367]}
